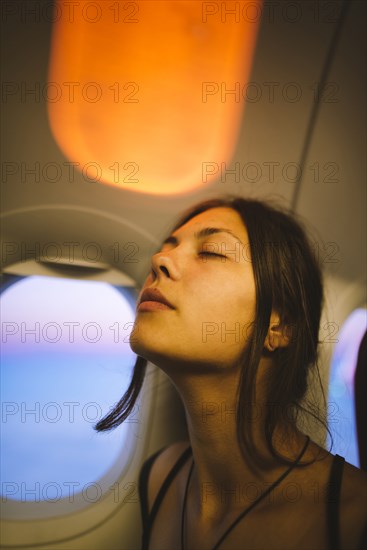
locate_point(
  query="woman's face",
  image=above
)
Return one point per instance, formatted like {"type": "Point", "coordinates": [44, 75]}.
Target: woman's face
{"type": "Point", "coordinates": [213, 296]}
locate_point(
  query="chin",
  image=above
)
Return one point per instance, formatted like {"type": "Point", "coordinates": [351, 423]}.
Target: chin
{"type": "Point", "coordinates": [147, 350]}
{"type": "Point", "coordinates": [148, 343]}
{"type": "Point", "coordinates": [137, 347]}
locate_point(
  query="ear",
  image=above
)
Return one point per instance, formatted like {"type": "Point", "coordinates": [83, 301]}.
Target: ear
{"type": "Point", "coordinates": [279, 334]}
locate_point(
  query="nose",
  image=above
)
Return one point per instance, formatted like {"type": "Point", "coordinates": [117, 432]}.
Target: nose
{"type": "Point", "coordinates": [163, 266]}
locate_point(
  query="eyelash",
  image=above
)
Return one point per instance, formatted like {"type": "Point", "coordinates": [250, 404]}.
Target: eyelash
{"type": "Point", "coordinates": [205, 253]}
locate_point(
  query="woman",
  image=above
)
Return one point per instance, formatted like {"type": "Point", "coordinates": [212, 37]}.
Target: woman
{"type": "Point", "coordinates": [231, 312]}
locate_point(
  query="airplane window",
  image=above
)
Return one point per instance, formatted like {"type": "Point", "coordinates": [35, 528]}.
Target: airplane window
{"type": "Point", "coordinates": [341, 411]}
{"type": "Point", "coordinates": [65, 361]}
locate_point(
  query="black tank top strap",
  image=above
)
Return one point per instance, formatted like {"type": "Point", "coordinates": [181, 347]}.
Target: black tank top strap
{"type": "Point", "coordinates": [167, 482]}
{"type": "Point", "coordinates": [147, 518]}
{"type": "Point", "coordinates": [363, 542]}
{"type": "Point", "coordinates": [333, 502]}
{"type": "Point", "coordinates": [143, 486]}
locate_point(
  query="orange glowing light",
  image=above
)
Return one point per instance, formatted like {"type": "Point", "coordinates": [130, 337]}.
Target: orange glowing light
{"type": "Point", "coordinates": [142, 95]}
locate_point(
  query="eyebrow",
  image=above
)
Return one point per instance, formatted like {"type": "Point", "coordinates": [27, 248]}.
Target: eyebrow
{"type": "Point", "coordinates": [205, 232]}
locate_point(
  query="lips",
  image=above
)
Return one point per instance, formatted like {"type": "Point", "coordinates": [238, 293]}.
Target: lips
{"type": "Point", "coordinates": [154, 295]}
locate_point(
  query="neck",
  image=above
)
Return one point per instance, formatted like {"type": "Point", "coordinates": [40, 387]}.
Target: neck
{"type": "Point", "coordinates": [210, 405]}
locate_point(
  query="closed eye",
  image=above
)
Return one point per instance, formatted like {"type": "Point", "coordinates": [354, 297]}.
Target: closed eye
{"type": "Point", "coordinates": [205, 253]}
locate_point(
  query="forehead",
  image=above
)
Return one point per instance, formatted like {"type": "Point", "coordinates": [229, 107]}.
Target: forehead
{"type": "Point", "coordinates": [223, 217]}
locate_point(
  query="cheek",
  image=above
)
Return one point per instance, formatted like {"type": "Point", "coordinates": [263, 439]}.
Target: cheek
{"type": "Point", "coordinates": [219, 305]}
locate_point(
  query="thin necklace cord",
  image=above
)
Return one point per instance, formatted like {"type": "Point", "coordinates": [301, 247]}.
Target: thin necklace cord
{"type": "Point", "coordinates": [247, 510]}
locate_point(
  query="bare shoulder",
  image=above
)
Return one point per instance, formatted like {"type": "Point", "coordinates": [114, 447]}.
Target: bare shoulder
{"type": "Point", "coordinates": [162, 466]}
{"type": "Point", "coordinates": [353, 506]}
